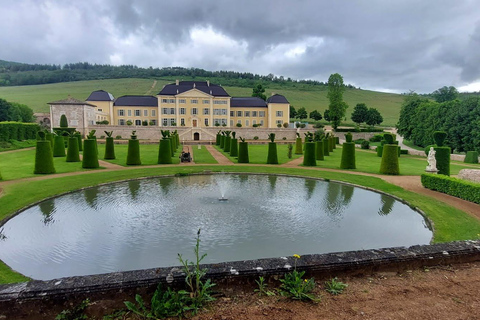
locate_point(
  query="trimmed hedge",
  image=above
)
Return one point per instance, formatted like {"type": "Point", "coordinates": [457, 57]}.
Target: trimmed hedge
{"type": "Point", "coordinates": [233, 147]}
{"type": "Point", "coordinates": [310, 157]}
{"type": "Point", "coordinates": [319, 150]}
{"type": "Point", "coordinates": [90, 156]}
{"type": "Point", "coordinates": [348, 156]}
{"type": "Point", "coordinates": [43, 158]}
{"type": "Point", "coordinates": [18, 131]}
{"type": "Point", "coordinates": [326, 151]}
{"type": "Point", "coordinates": [243, 152]}
{"type": "Point", "coordinates": [272, 157]}
{"type": "Point", "coordinates": [133, 153]}
{"type": "Point", "coordinates": [172, 147]}
{"type": "Point", "coordinates": [228, 139]}
{"type": "Point", "coordinates": [59, 147]}
{"type": "Point", "coordinates": [334, 142]}
{"type": "Point", "coordinates": [471, 157]}
{"type": "Point", "coordinates": [72, 151]}
{"type": "Point", "coordinates": [442, 154]}
{"type": "Point", "coordinates": [331, 143]}
{"type": "Point", "coordinates": [109, 149]}
{"type": "Point", "coordinates": [403, 151]}
{"type": "Point", "coordinates": [389, 164]}
{"type": "Point", "coordinates": [359, 130]}
{"type": "Point", "coordinates": [222, 142]}
{"type": "Point", "coordinates": [217, 139]}
{"type": "Point", "coordinates": [459, 188]}
{"type": "Point", "coordinates": [80, 144]}
{"type": "Point", "coordinates": [164, 152]}
{"type": "Point", "coordinates": [298, 146]}
{"type": "Point", "coordinates": [379, 151]}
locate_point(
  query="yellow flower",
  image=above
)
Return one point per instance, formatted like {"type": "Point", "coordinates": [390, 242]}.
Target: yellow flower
{"type": "Point", "coordinates": [306, 280]}
{"type": "Point", "coordinates": [296, 256]}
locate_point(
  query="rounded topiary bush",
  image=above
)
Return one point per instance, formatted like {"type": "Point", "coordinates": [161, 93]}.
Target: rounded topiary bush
{"type": "Point", "coordinates": [442, 155]}
{"type": "Point", "coordinates": [388, 137]}
{"type": "Point", "coordinates": [348, 137]}
{"type": "Point", "coordinates": [59, 147]}
{"type": "Point", "coordinates": [348, 156]}
{"type": "Point", "coordinates": [326, 149]}
{"type": "Point", "coordinates": [309, 158]}
{"type": "Point", "coordinates": [272, 157]}
{"type": "Point", "coordinates": [365, 144]}
{"type": "Point", "coordinates": [109, 149]}
{"type": "Point", "coordinates": [164, 152]}
{"type": "Point", "coordinates": [471, 157]}
{"type": "Point", "coordinates": [90, 156]}
{"type": "Point", "coordinates": [72, 151]}
{"type": "Point", "coordinates": [319, 150]}
{"type": "Point", "coordinates": [233, 147]}
{"type": "Point", "coordinates": [439, 137]}
{"type": "Point", "coordinates": [298, 146]}
{"type": "Point", "coordinates": [389, 164]}
{"type": "Point", "coordinates": [133, 153]}
{"type": "Point", "coordinates": [243, 152]}
{"type": "Point", "coordinates": [44, 158]}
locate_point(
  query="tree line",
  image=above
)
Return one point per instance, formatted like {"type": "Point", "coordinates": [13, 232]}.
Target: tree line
{"type": "Point", "coordinates": [420, 117]}
{"type": "Point", "coordinates": [12, 111]}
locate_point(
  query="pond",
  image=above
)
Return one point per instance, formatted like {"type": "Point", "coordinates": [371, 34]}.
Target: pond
{"type": "Point", "coordinates": [145, 223]}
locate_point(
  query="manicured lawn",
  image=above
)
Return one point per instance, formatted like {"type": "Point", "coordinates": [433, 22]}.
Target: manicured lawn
{"type": "Point", "coordinates": [148, 154]}
{"type": "Point", "coordinates": [258, 153]}
{"type": "Point", "coordinates": [202, 156]}
{"type": "Point", "coordinates": [14, 145]}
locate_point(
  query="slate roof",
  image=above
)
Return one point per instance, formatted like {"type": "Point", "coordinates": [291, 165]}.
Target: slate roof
{"type": "Point", "coordinates": [183, 86]}
{"type": "Point", "coordinates": [248, 102]}
{"type": "Point", "coordinates": [136, 101]}
{"type": "Point", "coordinates": [277, 98]}
{"type": "Point", "coordinates": [100, 95]}
{"type": "Point", "coordinates": [71, 101]}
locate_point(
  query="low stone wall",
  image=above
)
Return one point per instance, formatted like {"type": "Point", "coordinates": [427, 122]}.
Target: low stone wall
{"type": "Point", "coordinates": [470, 175]}
{"type": "Point", "coordinates": [241, 272]}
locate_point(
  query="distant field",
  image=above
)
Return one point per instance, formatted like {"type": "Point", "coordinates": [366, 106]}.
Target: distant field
{"type": "Point", "coordinates": [310, 97]}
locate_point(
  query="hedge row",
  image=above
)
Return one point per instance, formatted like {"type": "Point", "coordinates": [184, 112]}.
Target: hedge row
{"type": "Point", "coordinates": [359, 130]}
{"type": "Point", "coordinates": [459, 188]}
{"type": "Point", "coordinates": [18, 131]}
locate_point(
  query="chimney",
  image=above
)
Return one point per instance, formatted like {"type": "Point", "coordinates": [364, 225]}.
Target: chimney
{"type": "Point", "coordinates": [208, 83]}
{"type": "Point", "coordinates": [194, 85]}
{"type": "Point", "coordinates": [177, 82]}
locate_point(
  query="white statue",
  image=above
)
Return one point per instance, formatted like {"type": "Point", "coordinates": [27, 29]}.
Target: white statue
{"type": "Point", "coordinates": [432, 161]}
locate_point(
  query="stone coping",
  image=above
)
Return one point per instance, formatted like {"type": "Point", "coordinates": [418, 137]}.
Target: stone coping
{"type": "Point", "coordinates": [238, 272]}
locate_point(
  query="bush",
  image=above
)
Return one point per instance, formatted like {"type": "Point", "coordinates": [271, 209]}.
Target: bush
{"type": "Point", "coordinates": [238, 125]}
{"type": "Point", "coordinates": [439, 137]}
{"type": "Point", "coordinates": [279, 125]}
{"type": "Point", "coordinates": [348, 137]}
{"type": "Point", "coordinates": [303, 125]}
{"type": "Point", "coordinates": [365, 144]}
{"type": "Point", "coordinates": [326, 149]}
{"type": "Point", "coordinates": [310, 157]}
{"type": "Point", "coordinates": [255, 138]}
{"type": "Point", "coordinates": [442, 154]}
{"type": "Point", "coordinates": [272, 157]}
{"type": "Point", "coordinates": [298, 146]}
{"type": "Point", "coordinates": [284, 138]}
{"type": "Point", "coordinates": [145, 123]}
{"type": "Point", "coordinates": [165, 152]}
{"type": "Point", "coordinates": [360, 130]}
{"type": "Point", "coordinates": [90, 156]}
{"type": "Point", "coordinates": [59, 147]}
{"type": "Point", "coordinates": [348, 156]}
{"type": "Point", "coordinates": [129, 122]}
{"type": "Point", "coordinates": [80, 142]}
{"type": "Point", "coordinates": [243, 152]}
{"type": "Point", "coordinates": [319, 150]}
{"type": "Point", "coordinates": [403, 151]}
{"type": "Point", "coordinates": [222, 141]}
{"type": "Point", "coordinates": [217, 139]}
{"type": "Point", "coordinates": [379, 151]}
{"type": "Point", "coordinates": [226, 148]}
{"type": "Point", "coordinates": [63, 121]}
{"type": "Point", "coordinates": [471, 157]}
{"type": "Point", "coordinates": [285, 125]}
{"type": "Point", "coordinates": [376, 138]}
{"type": "Point", "coordinates": [133, 152]}
{"type": "Point", "coordinates": [318, 125]}
{"type": "Point", "coordinates": [118, 137]}
{"type": "Point", "coordinates": [43, 158]}
{"type": "Point", "coordinates": [72, 151]}
{"type": "Point", "coordinates": [389, 164]}
{"type": "Point", "coordinates": [459, 188]}
{"type": "Point", "coordinates": [109, 149]}
{"type": "Point", "coordinates": [233, 147]}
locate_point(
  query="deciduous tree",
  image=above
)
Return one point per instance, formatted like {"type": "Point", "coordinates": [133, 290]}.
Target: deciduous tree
{"type": "Point", "coordinates": [445, 94]}
{"type": "Point", "coordinates": [302, 113]}
{"type": "Point", "coordinates": [258, 91]}
{"type": "Point", "coordinates": [315, 115]}
{"type": "Point", "coordinates": [337, 106]}
{"type": "Point", "coordinates": [373, 117]}
{"type": "Point", "coordinates": [359, 114]}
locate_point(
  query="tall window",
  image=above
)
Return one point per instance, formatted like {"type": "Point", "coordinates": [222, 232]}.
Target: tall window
{"type": "Point", "coordinates": [172, 121]}
{"type": "Point", "coordinates": [137, 113]}
{"type": "Point", "coordinates": [183, 111]}
{"type": "Point", "coordinates": [261, 113]}
{"type": "Point", "coordinates": [239, 113]}
{"type": "Point", "coordinates": [145, 113]}
{"type": "Point", "coordinates": [232, 113]}
{"type": "Point", "coordinates": [206, 111]}
{"type": "Point", "coordinates": [254, 114]}
{"type": "Point", "coordinates": [121, 122]}
{"type": "Point", "coordinates": [194, 111]}
{"type": "Point", "coordinates": [279, 113]}
{"type": "Point", "coordinates": [194, 101]}
{"type": "Point", "coordinates": [121, 113]}
{"type": "Point", "coordinates": [153, 122]}
{"type": "Point", "coordinates": [219, 101]}
{"type": "Point", "coordinates": [247, 123]}
{"type": "Point", "coordinates": [138, 122]}
{"type": "Point", "coordinates": [254, 122]}
{"type": "Point", "coordinates": [206, 122]}
{"type": "Point", "coordinates": [182, 121]}
{"type": "Point", "coordinates": [279, 122]}
{"type": "Point", "coordinates": [129, 113]}
{"type": "Point", "coordinates": [172, 110]}
{"type": "Point", "coordinates": [165, 122]}
{"type": "Point", "coordinates": [182, 100]}
{"type": "Point", "coordinates": [247, 113]}
{"type": "Point", "coordinates": [154, 113]}
{"type": "Point", "coordinates": [164, 110]}
{"type": "Point", "coordinates": [261, 123]}
{"type": "Point", "coordinates": [171, 100]}
{"type": "Point", "coordinates": [224, 112]}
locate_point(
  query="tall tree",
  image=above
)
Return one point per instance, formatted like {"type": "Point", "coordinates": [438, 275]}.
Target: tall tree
{"type": "Point", "coordinates": [258, 91]}
{"type": "Point", "coordinates": [302, 113]}
{"type": "Point", "coordinates": [315, 115]}
{"type": "Point", "coordinates": [337, 106]}
{"type": "Point", "coordinates": [293, 112]}
{"type": "Point", "coordinates": [326, 115]}
{"type": "Point", "coordinates": [373, 117]}
{"type": "Point", "coordinates": [5, 110]}
{"type": "Point", "coordinates": [359, 114]}
{"type": "Point", "coordinates": [445, 94]}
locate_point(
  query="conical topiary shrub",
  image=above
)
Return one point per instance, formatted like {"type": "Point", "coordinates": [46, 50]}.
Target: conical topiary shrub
{"type": "Point", "coordinates": [309, 159]}
{"type": "Point", "coordinates": [233, 146]}
{"type": "Point", "coordinates": [222, 140]}
{"type": "Point", "coordinates": [348, 153]}
{"type": "Point", "coordinates": [243, 151]}
{"type": "Point", "coordinates": [90, 154]}
{"type": "Point", "coordinates": [43, 156]}
{"type": "Point", "coordinates": [78, 135]}
{"type": "Point", "coordinates": [164, 150]}
{"type": "Point", "coordinates": [226, 148]}
{"type": "Point", "coordinates": [389, 164]}
{"type": "Point", "coordinates": [177, 138]}
{"type": "Point", "coordinates": [133, 153]}
{"type": "Point", "coordinates": [217, 138]}
{"type": "Point", "coordinates": [319, 150]}
{"type": "Point", "coordinates": [331, 143]}
{"type": "Point", "coordinates": [49, 137]}
{"type": "Point", "coordinates": [72, 151]}
{"type": "Point", "coordinates": [109, 146]}
{"type": "Point", "coordinates": [442, 153]}
{"type": "Point", "coordinates": [334, 142]}
{"type": "Point", "coordinates": [59, 146]}
{"type": "Point", "coordinates": [298, 145]}
{"type": "Point", "coordinates": [326, 149]}
{"type": "Point", "coordinates": [471, 157]}
{"type": "Point", "coordinates": [272, 157]}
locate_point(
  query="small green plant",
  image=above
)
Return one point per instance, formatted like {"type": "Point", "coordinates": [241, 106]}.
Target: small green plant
{"type": "Point", "coordinates": [295, 287]}
{"type": "Point", "coordinates": [108, 133]}
{"type": "Point", "coordinates": [290, 150]}
{"type": "Point", "coordinates": [118, 137]}
{"type": "Point", "coordinates": [133, 136]}
{"type": "Point", "coordinates": [255, 138]}
{"type": "Point", "coordinates": [262, 288]}
{"type": "Point", "coordinates": [116, 315]}
{"type": "Point", "coordinates": [241, 139]}
{"type": "Point", "coordinates": [91, 134]}
{"type": "Point", "coordinates": [77, 313]}
{"type": "Point", "coordinates": [271, 136]}
{"type": "Point", "coordinates": [335, 287]}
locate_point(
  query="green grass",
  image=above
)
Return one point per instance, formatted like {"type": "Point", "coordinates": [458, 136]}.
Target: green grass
{"type": "Point", "coordinates": [202, 156]}
{"type": "Point", "coordinates": [15, 144]}
{"type": "Point", "coordinates": [450, 223]}
{"type": "Point", "coordinates": [258, 154]}
{"type": "Point", "coordinates": [299, 95]}
{"type": "Point", "coordinates": [410, 144]}
{"type": "Point", "coordinates": [148, 154]}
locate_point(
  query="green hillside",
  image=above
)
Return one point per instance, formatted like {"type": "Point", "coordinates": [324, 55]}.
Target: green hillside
{"type": "Point", "coordinates": [300, 95]}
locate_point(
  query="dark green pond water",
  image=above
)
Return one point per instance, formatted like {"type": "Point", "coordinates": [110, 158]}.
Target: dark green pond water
{"type": "Point", "coordinates": [145, 223]}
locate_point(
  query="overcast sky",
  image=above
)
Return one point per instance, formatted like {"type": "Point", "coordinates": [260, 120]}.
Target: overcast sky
{"type": "Point", "coordinates": [384, 45]}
